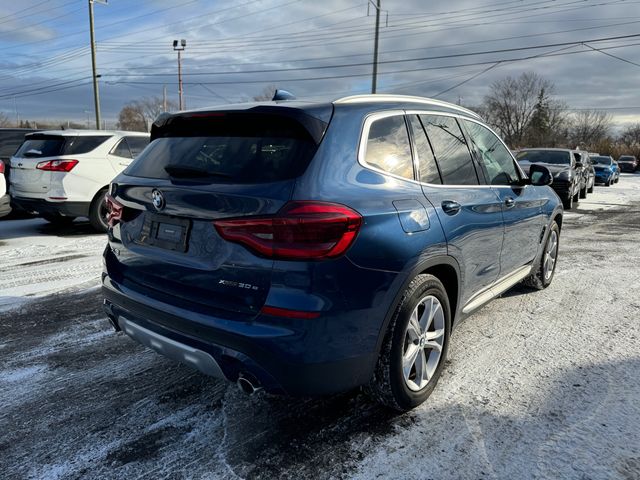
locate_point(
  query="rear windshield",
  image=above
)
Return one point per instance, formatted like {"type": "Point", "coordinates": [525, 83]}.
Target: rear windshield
{"type": "Point", "coordinates": [544, 156]}
{"type": "Point", "coordinates": [36, 146]}
{"type": "Point", "coordinates": [626, 158]}
{"type": "Point", "coordinates": [601, 160]}
{"type": "Point", "coordinates": [240, 148]}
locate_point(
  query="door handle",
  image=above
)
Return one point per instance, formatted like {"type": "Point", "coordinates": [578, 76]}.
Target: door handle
{"type": "Point", "coordinates": [509, 202]}
{"type": "Point", "coordinates": [450, 207]}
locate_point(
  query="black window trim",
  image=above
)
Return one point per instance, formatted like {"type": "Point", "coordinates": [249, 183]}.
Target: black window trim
{"type": "Point", "coordinates": [115, 145]}
{"type": "Point", "coordinates": [414, 150]}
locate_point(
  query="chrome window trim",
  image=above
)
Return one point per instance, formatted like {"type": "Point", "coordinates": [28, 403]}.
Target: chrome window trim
{"type": "Point", "coordinates": [382, 98]}
{"type": "Point", "coordinates": [364, 136]}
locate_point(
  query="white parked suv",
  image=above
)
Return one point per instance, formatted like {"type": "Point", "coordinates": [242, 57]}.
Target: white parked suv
{"type": "Point", "coordinates": [64, 174]}
{"type": "Point", "coordinates": [5, 207]}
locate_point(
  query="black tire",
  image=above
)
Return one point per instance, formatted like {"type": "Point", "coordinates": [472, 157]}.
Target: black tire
{"type": "Point", "coordinates": [590, 190]}
{"type": "Point", "coordinates": [537, 279]}
{"type": "Point", "coordinates": [583, 192]}
{"type": "Point", "coordinates": [57, 219]}
{"type": "Point", "coordinates": [98, 212]}
{"type": "Point", "coordinates": [576, 197]}
{"type": "Point", "coordinates": [388, 385]}
{"type": "Point", "coordinates": [608, 184]}
{"type": "Point", "coordinates": [567, 201]}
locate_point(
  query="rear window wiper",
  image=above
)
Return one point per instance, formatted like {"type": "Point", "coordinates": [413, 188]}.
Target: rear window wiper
{"type": "Point", "coordinates": [179, 171]}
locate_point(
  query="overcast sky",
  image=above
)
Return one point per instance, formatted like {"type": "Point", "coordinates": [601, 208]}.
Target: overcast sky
{"type": "Point", "coordinates": [315, 49]}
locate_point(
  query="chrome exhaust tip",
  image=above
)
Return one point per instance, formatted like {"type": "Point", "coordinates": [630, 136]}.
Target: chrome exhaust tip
{"type": "Point", "coordinates": [247, 385]}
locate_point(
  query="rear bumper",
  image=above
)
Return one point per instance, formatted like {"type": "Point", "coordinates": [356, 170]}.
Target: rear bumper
{"type": "Point", "coordinates": [265, 349]}
{"type": "Point", "coordinates": [42, 206]}
{"type": "Point", "coordinates": [603, 177]}
{"type": "Point", "coordinates": [5, 205]}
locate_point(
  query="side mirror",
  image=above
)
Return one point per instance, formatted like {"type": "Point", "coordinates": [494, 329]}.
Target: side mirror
{"type": "Point", "coordinates": [540, 175]}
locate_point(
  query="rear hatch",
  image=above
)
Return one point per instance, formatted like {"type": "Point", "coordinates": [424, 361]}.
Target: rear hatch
{"type": "Point", "coordinates": [26, 179]}
{"type": "Point", "coordinates": [199, 168]}
{"type": "Point", "coordinates": [43, 155]}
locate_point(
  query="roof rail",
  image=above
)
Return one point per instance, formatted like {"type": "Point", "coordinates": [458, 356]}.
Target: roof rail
{"type": "Point", "coordinates": [403, 98]}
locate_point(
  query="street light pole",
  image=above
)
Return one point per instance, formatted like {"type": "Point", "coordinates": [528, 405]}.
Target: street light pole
{"type": "Point", "coordinates": [179, 47]}
{"type": "Point", "coordinates": [374, 79]}
{"type": "Point", "coordinates": [96, 94]}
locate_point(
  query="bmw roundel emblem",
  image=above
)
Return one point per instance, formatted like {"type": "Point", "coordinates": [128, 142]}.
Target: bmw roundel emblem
{"type": "Point", "coordinates": [158, 199]}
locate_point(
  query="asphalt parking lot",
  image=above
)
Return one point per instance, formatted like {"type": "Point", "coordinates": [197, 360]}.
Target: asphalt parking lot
{"type": "Point", "coordinates": [538, 384]}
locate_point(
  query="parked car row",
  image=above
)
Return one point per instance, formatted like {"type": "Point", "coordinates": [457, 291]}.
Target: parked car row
{"type": "Point", "coordinates": [575, 172]}
{"type": "Point", "coordinates": [64, 174]}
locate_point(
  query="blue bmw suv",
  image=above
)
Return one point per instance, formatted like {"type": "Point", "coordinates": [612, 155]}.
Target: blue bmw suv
{"type": "Point", "coordinates": [311, 248]}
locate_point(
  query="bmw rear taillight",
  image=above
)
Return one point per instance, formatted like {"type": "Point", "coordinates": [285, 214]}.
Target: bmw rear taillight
{"type": "Point", "coordinates": [299, 231]}
{"type": "Point", "coordinates": [1, 167]}
{"type": "Point", "coordinates": [114, 210]}
{"type": "Point", "coordinates": [57, 165]}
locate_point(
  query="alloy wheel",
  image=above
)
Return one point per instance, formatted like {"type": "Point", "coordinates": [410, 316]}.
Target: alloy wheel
{"type": "Point", "coordinates": [550, 255]}
{"type": "Point", "coordinates": [423, 343]}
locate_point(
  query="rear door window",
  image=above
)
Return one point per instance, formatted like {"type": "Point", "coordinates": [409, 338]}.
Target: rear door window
{"type": "Point", "coordinates": [450, 149]}
{"type": "Point", "coordinates": [121, 149]}
{"type": "Point", "coordinates": [238, 148]}
{"type": "Point", "coordinates": [496, 161]}
{"type": "Point", "coordinates": [388, 147]}
{"type": "Point", "coordinates": [137, 144]}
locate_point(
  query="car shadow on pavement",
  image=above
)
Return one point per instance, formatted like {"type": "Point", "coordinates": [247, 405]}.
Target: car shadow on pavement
{"type": "Point", "coordinates": [78, 401]}
{"type": "Point", "coordinates": [77, 228]}
{"type": "Point", "coordinates": [15, 229]}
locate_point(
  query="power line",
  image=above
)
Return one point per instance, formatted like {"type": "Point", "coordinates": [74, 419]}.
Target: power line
{"type": "Point", "coordinates": [610, 55]}
{"type": "Point", "coordinates": [423, 69]}
{"type": "Point", "coordinates": [390, 62]}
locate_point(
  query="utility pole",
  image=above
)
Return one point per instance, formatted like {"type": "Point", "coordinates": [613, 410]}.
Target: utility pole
{"type": "Point", "coordinates": [96, 94]}
{"type": "Point", "coordinates": [164, 98]}
{"type": "Point", "coordinates": [179, 47]}
{"type": "Point", "coordinates": [374, 79]}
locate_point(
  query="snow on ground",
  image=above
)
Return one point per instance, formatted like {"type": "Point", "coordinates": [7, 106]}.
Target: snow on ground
{"type": "Point", "coordinates": [537, 385]}
{"type": "Point", "coordinates": [37, 259]}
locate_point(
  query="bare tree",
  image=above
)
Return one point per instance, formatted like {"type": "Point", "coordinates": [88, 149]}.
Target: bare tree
{"type": "Point", "coordinates": [631, 135]}
{"type": "Point", "coordinates": [589, 127]}
{"type": "Point", "coordinates": [511, 103]}
{"type": "Point", "coordinates": [132, 118]}
{"type": "Point", "coordinates": [140, 114]}
{"type": "Point", "coordinates": [4, 120]}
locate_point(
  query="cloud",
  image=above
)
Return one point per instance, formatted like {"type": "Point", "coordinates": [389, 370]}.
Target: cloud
{"type": "Point", "coordinates": [226, 40]}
